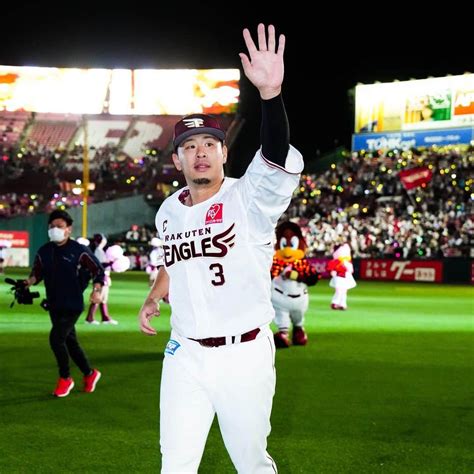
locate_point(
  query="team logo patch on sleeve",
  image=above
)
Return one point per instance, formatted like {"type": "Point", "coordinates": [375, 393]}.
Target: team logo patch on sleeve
{"type": "Point", "coordinates": [172, 347]}
{"type": "Point", "coordinates": [214, 214]}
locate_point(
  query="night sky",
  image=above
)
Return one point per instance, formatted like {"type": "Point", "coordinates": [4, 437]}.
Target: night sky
{"type": "Point", "coordinates": [343, 46]}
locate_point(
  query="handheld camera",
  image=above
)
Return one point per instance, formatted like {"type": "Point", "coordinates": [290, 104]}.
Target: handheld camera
{"type": "Point", "coordinates": [21, 293]}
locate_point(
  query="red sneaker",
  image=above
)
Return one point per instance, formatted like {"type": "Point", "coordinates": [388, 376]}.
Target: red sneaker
{"type": "Point", "coordinates": [63, 387]}
{"type": "Point", "coordinates": [299, 336]}
{"type": "Point", "coordinates": [334, 306]}
{"type": "Point", "coordinates": [90, 381]}
{"type": "Point", "coordinates": [281, 339]}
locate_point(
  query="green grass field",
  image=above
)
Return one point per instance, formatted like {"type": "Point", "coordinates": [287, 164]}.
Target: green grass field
{"type": "Point", "coordinates": [386, 387]}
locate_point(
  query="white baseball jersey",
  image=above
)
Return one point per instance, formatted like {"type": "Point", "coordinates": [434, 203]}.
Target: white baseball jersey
{"type": "Point", "coordinates": [218, 253]}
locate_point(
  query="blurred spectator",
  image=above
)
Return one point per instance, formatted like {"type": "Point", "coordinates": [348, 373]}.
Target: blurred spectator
{"type": "Point", "coordinates": [99, 241]}
{"type": "Point", "coordinates": [156, 259]}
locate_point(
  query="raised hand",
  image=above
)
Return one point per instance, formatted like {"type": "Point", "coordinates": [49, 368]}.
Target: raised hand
{"type": "Point", "coordinates": [265, 68]}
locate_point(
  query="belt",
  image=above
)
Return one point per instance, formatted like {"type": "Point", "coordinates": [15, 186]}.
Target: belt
{"type": "Point", "coordinates": [289, 296]}
{"type": "Point", "coordinates": [223, 340]}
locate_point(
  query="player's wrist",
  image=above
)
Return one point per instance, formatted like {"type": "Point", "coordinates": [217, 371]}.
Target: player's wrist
{"type": "Point", "coordinates": [267, 93]}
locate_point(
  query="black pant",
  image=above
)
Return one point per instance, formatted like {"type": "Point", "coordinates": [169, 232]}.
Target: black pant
{"type": "Point", "coordinates": [64, 343]}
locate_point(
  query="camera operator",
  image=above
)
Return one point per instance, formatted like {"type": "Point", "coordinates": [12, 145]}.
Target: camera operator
{"type": "Point", "coordinates": [59, 263]}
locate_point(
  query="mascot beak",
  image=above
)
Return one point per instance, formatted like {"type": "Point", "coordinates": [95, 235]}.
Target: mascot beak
{"type": "Point", "coordinates": [287, 252]}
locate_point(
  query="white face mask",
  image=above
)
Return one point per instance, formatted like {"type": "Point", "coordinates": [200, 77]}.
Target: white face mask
{"type": "Point", "coordinates": [56, 234]}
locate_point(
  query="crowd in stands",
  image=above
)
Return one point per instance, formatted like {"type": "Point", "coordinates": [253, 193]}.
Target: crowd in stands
{"type": "Point", "coordinates": [44, 154]}
{"type": "Point", "coordinates": [361, 200]}
{"type": "Point", "coordinates": [15, 204]}
{"type": "Point", "coordinates": [34, 178]}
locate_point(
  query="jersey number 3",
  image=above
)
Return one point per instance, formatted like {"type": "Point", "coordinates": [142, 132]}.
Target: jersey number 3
{"type": "Point", "coordinates": [218, 274]}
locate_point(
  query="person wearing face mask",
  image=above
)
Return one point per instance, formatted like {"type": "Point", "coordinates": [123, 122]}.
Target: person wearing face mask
{"type": "Point", "coordinates": [59, 263]}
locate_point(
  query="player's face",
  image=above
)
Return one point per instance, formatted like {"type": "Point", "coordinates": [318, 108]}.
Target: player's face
{"type": "Point", "coordinates": [201, 158]}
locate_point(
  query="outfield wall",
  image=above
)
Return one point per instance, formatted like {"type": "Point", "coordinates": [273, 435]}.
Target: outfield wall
{"type": "Point", "coordinates": [448, 270]}
{"type": "Point", "coordinates": [108, 217]}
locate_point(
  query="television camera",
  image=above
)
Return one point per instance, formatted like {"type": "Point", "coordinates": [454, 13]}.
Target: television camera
{"type": "Point", "coordinates": [21, 293]}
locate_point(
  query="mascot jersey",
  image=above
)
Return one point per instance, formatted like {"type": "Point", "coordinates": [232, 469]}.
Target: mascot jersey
{"type": "Point", "coordinates": [291, 275]}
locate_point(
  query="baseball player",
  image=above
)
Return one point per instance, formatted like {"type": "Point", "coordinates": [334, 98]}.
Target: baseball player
{"type": "Point", "coordinates": [218, 235]}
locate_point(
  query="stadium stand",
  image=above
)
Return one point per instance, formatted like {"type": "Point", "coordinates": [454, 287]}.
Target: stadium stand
{"type": "Point", "coordinates": [362, 201]}
{"type": "Point", "coordinates": [127, 155]}
{"type": "Point", "coordinates": [52, 134]}
{"type": "Point", "coordinates": [104, 130]}
{"type": "Point", "coordinates": [12, 125]}
{"type": "Point", "coordinates": [154, 132]}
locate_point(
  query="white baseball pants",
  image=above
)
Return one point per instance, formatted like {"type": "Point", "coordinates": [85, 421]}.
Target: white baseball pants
{"type": "Point", "coordinates": [289, 310]}
{"type": "Point", "coordinates": [236, 382]}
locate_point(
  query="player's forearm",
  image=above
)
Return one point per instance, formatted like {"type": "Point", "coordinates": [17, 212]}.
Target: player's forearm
{"type": "Point", "coordinates": [160, 288]}
{"type": "Point", "coordinates": [275, 131]}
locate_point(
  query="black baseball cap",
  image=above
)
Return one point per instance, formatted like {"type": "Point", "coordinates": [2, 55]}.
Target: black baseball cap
{"type": "Point", "coordinates": [196, 123]}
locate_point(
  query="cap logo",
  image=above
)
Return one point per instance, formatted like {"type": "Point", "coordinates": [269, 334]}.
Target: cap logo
{"type": "Point", "coordinates": [193, 122]}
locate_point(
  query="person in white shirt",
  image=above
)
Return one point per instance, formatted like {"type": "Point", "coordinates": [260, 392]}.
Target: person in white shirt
{"type": "Point", "coordinates": [218, 246]}
{"type": "Point", "coordinates": [156, 259]}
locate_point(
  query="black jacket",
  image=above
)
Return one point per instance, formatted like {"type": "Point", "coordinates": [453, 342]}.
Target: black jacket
{"type": "Point", "coordinates": [66, 270]}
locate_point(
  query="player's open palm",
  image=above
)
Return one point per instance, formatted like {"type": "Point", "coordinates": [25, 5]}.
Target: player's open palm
{"type": "Point", "coordinates": [264, 64]}
{"type": "Point", "coordinates": [147, 312]}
